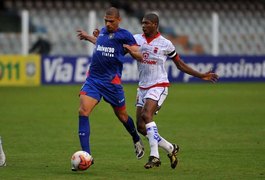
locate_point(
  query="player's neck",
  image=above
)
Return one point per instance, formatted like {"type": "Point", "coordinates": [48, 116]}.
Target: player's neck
{"type": "Point", "coordinates": [152, 35]}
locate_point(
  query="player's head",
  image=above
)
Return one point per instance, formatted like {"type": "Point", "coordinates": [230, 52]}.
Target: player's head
{"type": "Point", "coordinates": [112, 19]}
{"type": "Point", "coordinates": [150, 24]}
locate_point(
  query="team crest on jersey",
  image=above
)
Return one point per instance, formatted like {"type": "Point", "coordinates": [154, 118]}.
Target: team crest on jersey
{"type": "Point", "coordinates": [111, 36]}
{"type": "Point", "coordinates": [145, 55]}
{"type": "Point", "coordinates": [155, 49]}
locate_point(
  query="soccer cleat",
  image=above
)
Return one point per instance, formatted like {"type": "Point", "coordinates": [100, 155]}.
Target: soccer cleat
{"type": "Point", "coordinates": [152, 162]}
{"type": "Point", "coordinates": [173, 156]}
{"type": "Point", "coordinates": [2, 155]}
{"type": "Point", "coordinates": [139, 149]}
{"type": "Point", "coordinates": [2, 159]}
{"type": "Point", "coordinates": [73, 168]}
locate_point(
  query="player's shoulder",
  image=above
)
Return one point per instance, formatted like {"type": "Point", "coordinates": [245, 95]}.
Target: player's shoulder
{"type": "Point", "coordinates": [138, 36]}
{"type": "Point", "coordinates": [103, 30]}
{"type": "Point", "coordinates": [124, 31]}
{"type": "Point", "coordinates": [163, 39]}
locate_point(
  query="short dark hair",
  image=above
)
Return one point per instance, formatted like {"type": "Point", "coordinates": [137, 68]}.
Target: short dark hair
{"type": "Point", "coordinates": [152, 17]}
{"type": "Point", "coordinates": [112, 11]}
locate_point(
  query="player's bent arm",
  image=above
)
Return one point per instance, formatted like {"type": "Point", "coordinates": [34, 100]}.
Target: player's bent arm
{"type": "Point", "coordinates": [82, 35]}
{"type": "Point", "coordinates": [134, 51]}
{"type": "Point", "coordinates": [181, 65]}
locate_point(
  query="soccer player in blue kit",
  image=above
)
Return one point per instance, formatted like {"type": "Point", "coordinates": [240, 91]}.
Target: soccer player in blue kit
{"type": "Point", "coordinates": [104, 77]}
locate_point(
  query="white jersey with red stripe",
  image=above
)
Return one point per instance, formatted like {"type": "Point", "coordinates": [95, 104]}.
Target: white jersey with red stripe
{"type": "Point", "coordinates": [152, 72]}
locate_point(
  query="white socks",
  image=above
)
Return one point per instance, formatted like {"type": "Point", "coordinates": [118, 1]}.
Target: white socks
{"type": "Point", "coordinates": [153, 138]}
{"type": "Point", "coordinates": [156, 140]}
{"type": "Point", "coordinates": [164, 144]}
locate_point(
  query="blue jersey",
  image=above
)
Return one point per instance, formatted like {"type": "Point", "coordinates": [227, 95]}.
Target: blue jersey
{"type": "Point", "coordinates": [106, 67]}
{"type": "Point", "coordinates": [107, 59]}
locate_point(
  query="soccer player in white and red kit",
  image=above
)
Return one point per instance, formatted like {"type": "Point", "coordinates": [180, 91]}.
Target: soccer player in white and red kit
{"type": "Point", "coordinates": [154, 83]}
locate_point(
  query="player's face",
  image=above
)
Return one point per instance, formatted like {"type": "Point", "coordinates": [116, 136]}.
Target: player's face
{"type": "Point", "coordinates": [112, 23]}
{"type": "Point", "coordinates": [148, 27]}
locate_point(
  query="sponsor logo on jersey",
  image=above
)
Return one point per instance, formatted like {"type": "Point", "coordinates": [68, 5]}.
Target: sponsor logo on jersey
{"type": "Point", "coordinates": [155, 50]}
{"type": "Point", "coordinates": [106, 51]}
{"type": "Point", "coordinates": [146, 60]}
{"type": "Point", "coordinates": [145, 55]}
{"type": "Point", "coordinates": [111, 36]}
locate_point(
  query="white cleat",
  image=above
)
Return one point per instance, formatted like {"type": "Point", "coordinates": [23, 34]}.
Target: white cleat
{"type": "Point", "coordinates": [139, 149]}
{"type": "Point", "coordinates": [2, 155]}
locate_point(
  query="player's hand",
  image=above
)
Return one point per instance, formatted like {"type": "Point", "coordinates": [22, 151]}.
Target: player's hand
{"type": "Point", "coordinates": [96, 33]}
{"type": "Point", "coordinates": [81, 34]}
{"type": "Point", "coordinates": [127, 48]}
{"type": "Point", "coordinates": [210, 76]}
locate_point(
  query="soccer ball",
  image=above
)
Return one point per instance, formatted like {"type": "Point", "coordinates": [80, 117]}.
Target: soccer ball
{"type": "Point", "coordinates": [81, 161]}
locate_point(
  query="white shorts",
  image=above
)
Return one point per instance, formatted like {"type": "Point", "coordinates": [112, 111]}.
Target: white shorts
{"type": "Point", "coordinates": [158, 94]}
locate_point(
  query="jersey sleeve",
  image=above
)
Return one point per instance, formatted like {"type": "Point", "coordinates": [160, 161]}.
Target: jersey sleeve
{"type": "Point", "coordinates": [129, 39]}
{"type": "Point", "coordinates": [137, 39]}
{"type": "Point", "coordinates": [170, 50]}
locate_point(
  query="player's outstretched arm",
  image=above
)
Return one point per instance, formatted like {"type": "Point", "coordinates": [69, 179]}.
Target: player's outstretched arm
{"type": "Point", "coordinates": [82, 35]}
{"type": "Point", "coordinates": [208, 76]}
{"type": "Point", "coordinates": [134, 52]}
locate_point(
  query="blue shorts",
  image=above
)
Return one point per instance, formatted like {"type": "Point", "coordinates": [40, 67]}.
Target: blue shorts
{"type": "Point", "coordinates": [111, 93]}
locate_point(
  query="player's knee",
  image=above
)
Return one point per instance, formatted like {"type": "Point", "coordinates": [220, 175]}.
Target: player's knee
{"type": "Point", "coordinates": [146, 117]}
{"type": "Point", "coordinates": [123, 118]}
{"type": "Point", "coordinates": [83, 111]}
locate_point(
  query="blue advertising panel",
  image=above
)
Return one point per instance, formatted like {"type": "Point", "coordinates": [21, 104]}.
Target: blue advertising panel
{"type": "Point", "coordinates": [73, 69]}
{"type": "Point", "coordinates": [228, 68]}
{"type": "Point", "coordinates": [64, 69]}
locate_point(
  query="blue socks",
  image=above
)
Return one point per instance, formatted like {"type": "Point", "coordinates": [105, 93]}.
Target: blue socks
{"type": "Point", "coordinates": [129, 125]}
{"type": "Point", "coordinates": [84, 133]}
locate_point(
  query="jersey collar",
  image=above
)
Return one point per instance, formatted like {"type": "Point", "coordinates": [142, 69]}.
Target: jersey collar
{"type": "Point", "coordinates": [148, 40]}
{"type": "Point", "coordinates": [105, 30]}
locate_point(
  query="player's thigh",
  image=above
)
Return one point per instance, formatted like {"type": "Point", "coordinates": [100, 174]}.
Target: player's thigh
{"type": "Point", "coordinates": [87, 104]}
{"type": "Point", "coordinates": [150, 107]}
{"type": "Point", "coordinates": [157, 94]}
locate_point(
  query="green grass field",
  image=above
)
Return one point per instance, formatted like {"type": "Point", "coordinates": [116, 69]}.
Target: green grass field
{"type": "Point", "coordinates": [219, 127]}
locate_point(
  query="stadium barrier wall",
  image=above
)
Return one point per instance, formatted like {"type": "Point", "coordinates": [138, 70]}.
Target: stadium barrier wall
{"type": "Point", "coordinates": [20, 70]}
{"type": "Point", "coordinates": [72, 70]}
{"type": "Point", "coordinates": [34, 70]}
